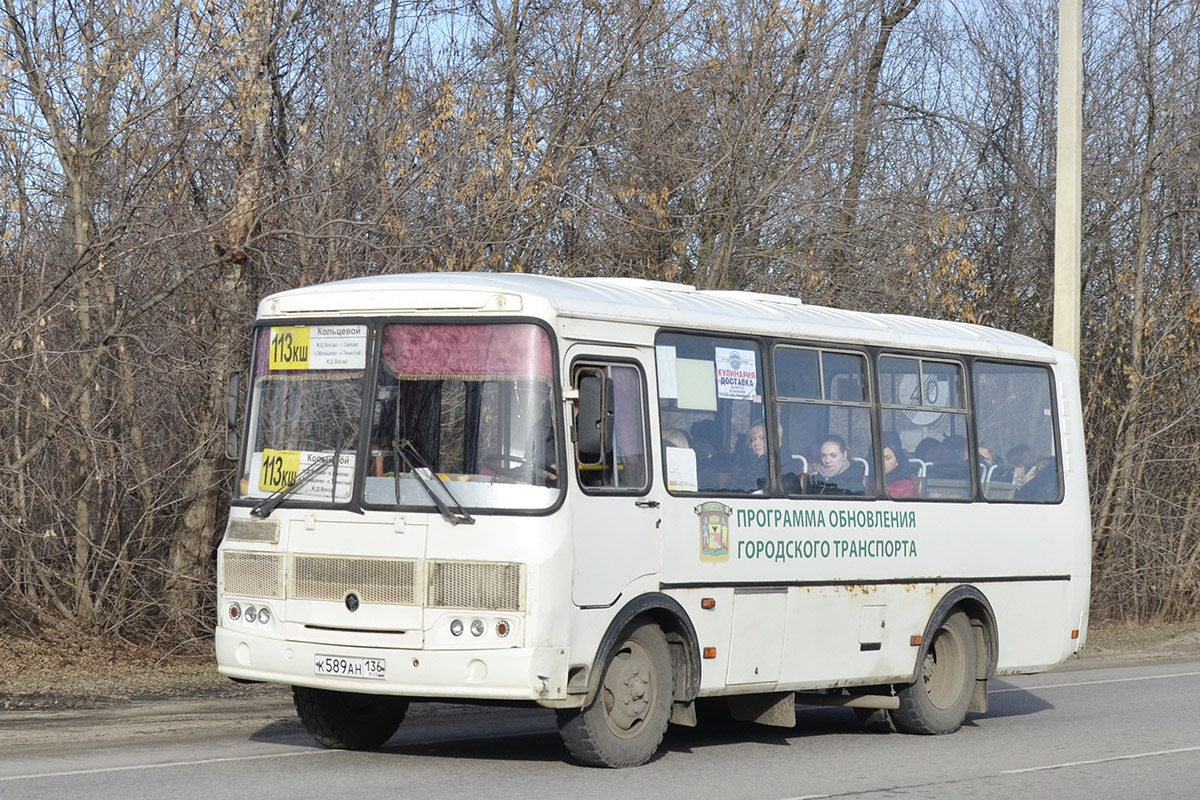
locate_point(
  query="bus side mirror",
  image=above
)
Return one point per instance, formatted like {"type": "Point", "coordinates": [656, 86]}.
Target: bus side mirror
{"type": "Point", "coordinates": [233, 397]}
{"type": "Point", "coordinates": [594, 422]}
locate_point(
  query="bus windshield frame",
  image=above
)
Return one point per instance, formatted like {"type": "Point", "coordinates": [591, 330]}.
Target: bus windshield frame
{"type": "Point", "coordinates": [449, 415]}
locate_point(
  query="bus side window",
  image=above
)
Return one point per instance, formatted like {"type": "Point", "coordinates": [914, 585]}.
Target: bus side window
{"type": "Point", "coordinates": [609, 428]}
{"type": "Point", "coordinates": [711, 388]}
{"type": "Point", "coordinates": [824, 407]}
{"type": "Point", "coordinates": [1014, 412]}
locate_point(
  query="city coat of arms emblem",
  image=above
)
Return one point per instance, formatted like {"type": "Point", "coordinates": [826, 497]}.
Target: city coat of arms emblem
{"type": "Point", "coordinates": [714, 531]}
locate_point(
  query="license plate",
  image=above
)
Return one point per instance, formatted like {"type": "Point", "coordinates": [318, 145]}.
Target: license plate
{"type": "Point", "coordinates": [343, 667]}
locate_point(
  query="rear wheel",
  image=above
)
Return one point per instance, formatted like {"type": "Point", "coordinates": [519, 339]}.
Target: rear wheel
{"type": "Point", "coordinates": [625, 722]}
{"type": "Point", "coordinates": [937, 701]}
{"type": "Point", "coordinates": [348, 721]}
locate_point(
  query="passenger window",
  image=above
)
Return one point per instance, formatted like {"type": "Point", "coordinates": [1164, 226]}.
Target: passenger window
{"type": "Point", "coordinates": [924, 422]}
{"type": "Point", "coordinates": [609, 429]}
{"type": "Point", "coordinates": [825, 422]}
{"type": "Point", "coordinates": [1014, 413]}
{"type": "Point", "coordinates": [714, 435]}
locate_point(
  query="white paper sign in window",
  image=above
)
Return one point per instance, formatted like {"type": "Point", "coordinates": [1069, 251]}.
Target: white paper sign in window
{"type": "Point", "coordinates": [681, 469]}
{"type": "Point", "coordinates": [737, 373]}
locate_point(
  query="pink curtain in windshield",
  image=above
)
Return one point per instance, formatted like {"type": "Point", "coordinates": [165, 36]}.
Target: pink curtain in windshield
{"type": "Point", "coordinates": [469, 352]}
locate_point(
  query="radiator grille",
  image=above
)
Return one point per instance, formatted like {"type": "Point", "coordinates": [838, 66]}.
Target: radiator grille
{"type": "Point", "coordinates": [253, 574]}
{"type": "Point", "coordinates": [475, 585]}
{"type": "Point", "coordinates": [375, 580]}
{"type": "Point", "coordinates": [472, 585]}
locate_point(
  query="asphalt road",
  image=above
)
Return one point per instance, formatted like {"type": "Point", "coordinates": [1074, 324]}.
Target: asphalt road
{"type": "Point", "coordinates": [1123, 732]}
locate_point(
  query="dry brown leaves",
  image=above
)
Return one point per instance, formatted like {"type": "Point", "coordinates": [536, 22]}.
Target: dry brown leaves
{"type": "Point", "coordinates": [62, 668]}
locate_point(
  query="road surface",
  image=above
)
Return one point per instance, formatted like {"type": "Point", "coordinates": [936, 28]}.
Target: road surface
{"type": "Point", "coordinates": [1119, 732]}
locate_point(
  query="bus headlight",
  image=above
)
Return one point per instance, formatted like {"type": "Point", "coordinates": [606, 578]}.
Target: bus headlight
{"type": "Point", "coordinates": [251, 614]}
{"type": "Point", "coordinates": [477, 627]}
{"type": "Point", "coordinates": [456, 627]}
{"type": "Point", "coordinates": [264, 615]}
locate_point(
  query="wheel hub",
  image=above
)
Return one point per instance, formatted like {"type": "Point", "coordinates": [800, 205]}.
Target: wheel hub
{"type": "Point", "coordinates": [627, 690]}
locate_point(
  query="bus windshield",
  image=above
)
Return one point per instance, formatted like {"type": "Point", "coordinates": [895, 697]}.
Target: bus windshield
{"type": "Point", "coordinates": [305, 410]}
{"type": "Point", "coordinates": [460, 416]}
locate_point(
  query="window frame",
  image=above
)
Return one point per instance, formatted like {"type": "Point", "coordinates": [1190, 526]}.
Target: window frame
{"type": "Point", "coordinates": [1055, 427]}
{"type": "Point", "coordinates": [765, 378]}
{"type": "Point", "coordinates": [604, 362]}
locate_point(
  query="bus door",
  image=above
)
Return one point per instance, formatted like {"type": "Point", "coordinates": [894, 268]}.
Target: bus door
{"type": "Point", "coordinates": [615, 520]}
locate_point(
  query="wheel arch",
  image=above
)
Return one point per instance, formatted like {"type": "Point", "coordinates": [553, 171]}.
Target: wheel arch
{"type": "Point", "coordinates": [669, 615]}
{"type": "Point", "coordinates": [971, 601]}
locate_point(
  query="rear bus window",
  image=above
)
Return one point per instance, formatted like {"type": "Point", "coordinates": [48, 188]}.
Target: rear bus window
{"type": "Point", "coordinates": [1014, 412]}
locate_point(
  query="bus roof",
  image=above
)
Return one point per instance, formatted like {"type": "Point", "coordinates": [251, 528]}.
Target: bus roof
{"type": "Point", "coordinates": [641, 302]}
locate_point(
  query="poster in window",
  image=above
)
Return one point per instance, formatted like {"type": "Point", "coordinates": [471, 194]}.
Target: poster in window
{"type": "Point", "coordinates": [737, 373]}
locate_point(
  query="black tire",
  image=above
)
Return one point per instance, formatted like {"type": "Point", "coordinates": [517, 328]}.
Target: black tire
{"type": "Point", "coordinates": [625, 722]}
{"type": "Point", "coordinates": [936, 703]}
{"type": "Point", "coordinates": [346, 720]}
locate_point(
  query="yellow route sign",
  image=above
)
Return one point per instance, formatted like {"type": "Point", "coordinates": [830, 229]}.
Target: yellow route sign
{"type": "Point", "coordinates": [279, 469]}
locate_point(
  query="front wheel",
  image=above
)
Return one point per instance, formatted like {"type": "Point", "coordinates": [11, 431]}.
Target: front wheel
{"type": "Point", "coordinates": [625, 722]}
{"type": "Point", "coordinates": [937, 701]}
{"type": "Point", "coordinates": [348, 721]}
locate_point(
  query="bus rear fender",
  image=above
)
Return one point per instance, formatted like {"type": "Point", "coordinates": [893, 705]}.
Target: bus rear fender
{"type": "Point", "coordinates": [983, 623]}
{"type": "Point", "coordinates": [665, 612]}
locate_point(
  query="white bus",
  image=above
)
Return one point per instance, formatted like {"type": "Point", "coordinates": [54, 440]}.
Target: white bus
{"type": "Point", "coordinates": [615, 498]}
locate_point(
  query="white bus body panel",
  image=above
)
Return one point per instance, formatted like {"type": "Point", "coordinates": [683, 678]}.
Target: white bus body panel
{"type": "Point", "coordinates": [816, 613]}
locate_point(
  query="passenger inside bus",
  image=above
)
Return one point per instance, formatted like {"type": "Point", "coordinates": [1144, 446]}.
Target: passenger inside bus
{"type": "Point", "coordinates": [987, 456]}
{"type": "Point", "coordinates": [711, 458]}
{"type": "Point", "coordinates": [836, 472]}
{"type": "Point", "coordinates": [1036, 478]}
{"type": "Point", "coordinates": [751, 472]}
{"type": "Point", "coordinates": [929, 450]}
{"type": "Point", "coordinates": [897, 471]}
{"type": "Point", "coordinates": [949, 476]}
{"type": "Point", "coordinates": [954, 448]}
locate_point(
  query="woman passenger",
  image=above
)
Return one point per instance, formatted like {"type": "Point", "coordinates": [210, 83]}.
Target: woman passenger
{"type": "Point", "coordinates": [897, 472]}
{"type": "Point", "coordinates": [752, 470]}
{"type": "Point", "coordinates": [836, 473]}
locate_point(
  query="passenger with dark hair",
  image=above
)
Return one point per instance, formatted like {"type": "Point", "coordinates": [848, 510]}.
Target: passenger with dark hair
{"type": "Point", "coordinates": [710, 460]}
{"type": "Point", "coordinates": [955, 448]}
{"type": "Point", "coordinates": [929, 450]}
{"type": "Point", "coordinates": [1035, 478]}
{"type": "Point", "coordinates": [835, 472]}
{"type": "Point", "coordinates": [1024, 463]}
{"type": "Point", "coordinates": [897, 472]}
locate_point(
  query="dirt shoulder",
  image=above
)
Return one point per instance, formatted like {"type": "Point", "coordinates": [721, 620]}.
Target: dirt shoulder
{"type": "Point", "coordinates": [62, 670]}
{"type": "Point", "coordinates": [65, 671]}
{"type": "Point", "coordinates": [1117, 644]}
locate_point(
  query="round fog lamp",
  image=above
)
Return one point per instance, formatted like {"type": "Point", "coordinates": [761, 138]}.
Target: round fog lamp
{"type": "Point", "coordinates": [251, 614]}
{"type": "Point", "coordinates": [264, 615]}
{"type": "Point", "coordinates": [477, 627]}
{"type": "Point", "coordinates": [456, 627]}
{"type": "Point", "coordinates": [235, 611]}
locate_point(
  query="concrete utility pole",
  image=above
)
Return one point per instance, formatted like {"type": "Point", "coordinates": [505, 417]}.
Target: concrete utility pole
{"type": "Point", "coordinates": [1068, 208]}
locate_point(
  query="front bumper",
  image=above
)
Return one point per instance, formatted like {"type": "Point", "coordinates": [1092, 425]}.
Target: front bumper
{"type": "Point", "coordinates": [534, 674]}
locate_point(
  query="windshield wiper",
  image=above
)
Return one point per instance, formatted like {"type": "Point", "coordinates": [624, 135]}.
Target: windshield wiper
{"type": "Point", "coordinates": [420, 465]}
{"type": "Point", "coordinates": [272, 502]}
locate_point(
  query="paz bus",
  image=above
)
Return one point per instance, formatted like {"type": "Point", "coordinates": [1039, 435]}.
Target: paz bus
{"type": "Point", "coordinates": [617, 498]}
